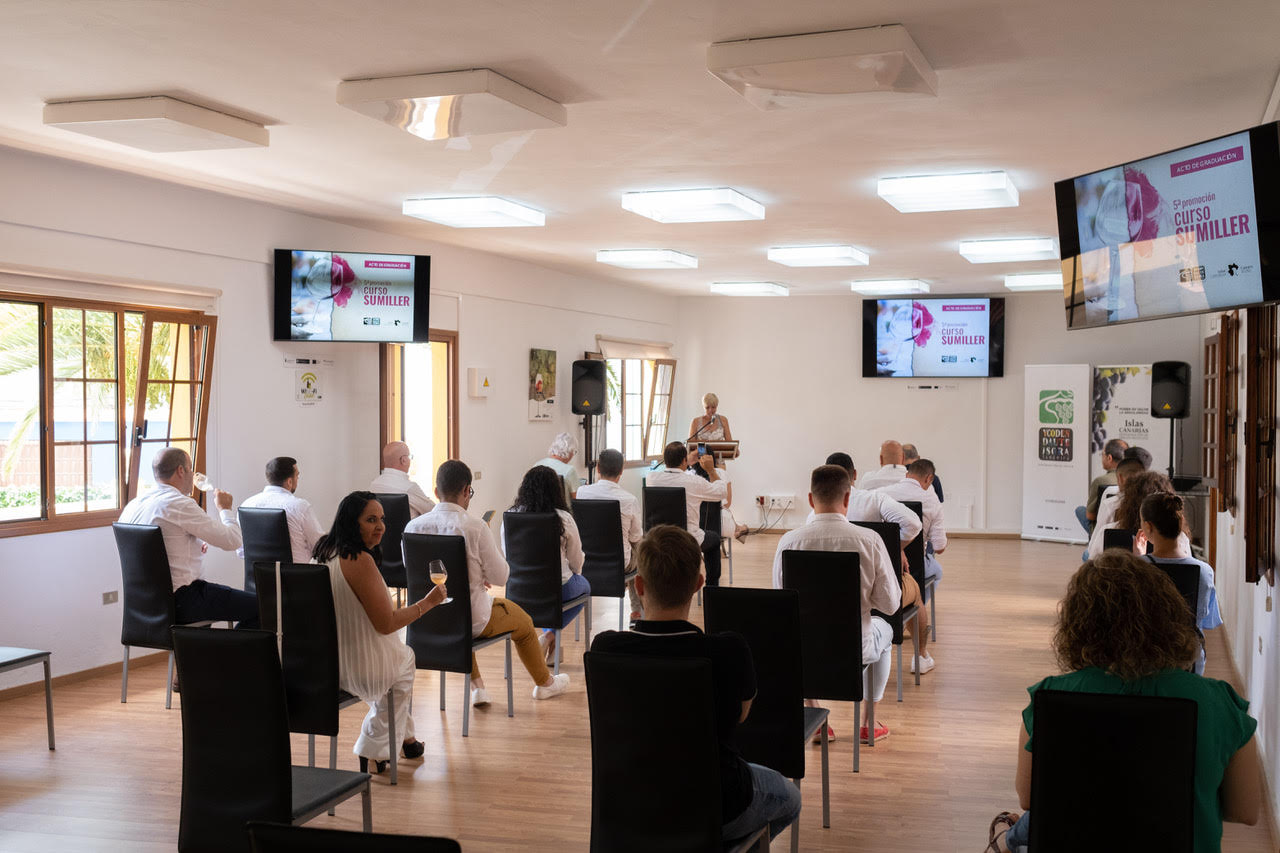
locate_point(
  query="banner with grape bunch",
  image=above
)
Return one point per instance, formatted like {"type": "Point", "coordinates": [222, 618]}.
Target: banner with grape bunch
{"type": "Point", "coordinates": [1122, 409]}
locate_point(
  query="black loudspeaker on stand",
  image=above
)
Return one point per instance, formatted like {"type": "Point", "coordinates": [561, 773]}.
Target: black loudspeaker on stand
{"type": "Point", "coordinates": [1170, 395]}
{"type": "Point", "coordinates": [587, 398]}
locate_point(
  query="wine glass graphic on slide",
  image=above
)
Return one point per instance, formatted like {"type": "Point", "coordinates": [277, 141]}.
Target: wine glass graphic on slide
{"type": "Point", "coordinates": [438, 575]}
{"type": "Point", "coordinates": [895, 342]}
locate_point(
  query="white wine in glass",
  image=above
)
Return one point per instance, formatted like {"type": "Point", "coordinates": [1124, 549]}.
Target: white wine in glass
{"type": "Point", "coordinates": [202, 482]}
{"type": "Point", "coordinates": [439, 575]}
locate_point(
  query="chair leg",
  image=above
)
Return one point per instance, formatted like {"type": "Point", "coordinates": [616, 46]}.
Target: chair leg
{"type": "Point", "coordinates": [915, 649]}
{"type": "Point", "coordinates": [391, 735]}
{"type": "Point", "coordinates": [311, 750]}
{"type": "Point", "coordinates": [466, 703]}
{"type": "Point", "coordinates": [510, 686]}
{"type": "Point", "coordinates": [333, 758]}
{"type": "Point", "coordinates": [464, 684]}
{"type": "Point", "coordinates": [577, 627]}
{"type": "Point", "coordinates": [366, 808]}
{"type": "Point", "coordinates": [168, 684]}
{"type": "Point", "coordinates": [622, 605]}
{"type": "Point", "coordinates": [48, 700]}
{"type": "Point", "coordinates": [899, 669]}
{"type": "Point", "coordinates": [588, 624]}
{"type": "Point", "coordinates": [124, 678]}
{"type": "Point", "coordinates": [933, 614]}
{"type": "Point", "coordinates": [795, 825]}
{"type": "Point", "coordinates": [730, 561]}
{"type": "Point", "coordinates": [558, 645]}
{"type": "Point", "coordinates": [857, 737]}
{"type": "Point", "coordinates": [826, 783]}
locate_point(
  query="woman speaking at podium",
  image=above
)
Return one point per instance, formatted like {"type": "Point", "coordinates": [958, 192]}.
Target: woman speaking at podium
{"type": "Point", "coordinates": [710, 426]}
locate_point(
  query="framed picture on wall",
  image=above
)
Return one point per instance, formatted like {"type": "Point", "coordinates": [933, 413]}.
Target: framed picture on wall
{"type": "Point", "coordinates": [542, 384]}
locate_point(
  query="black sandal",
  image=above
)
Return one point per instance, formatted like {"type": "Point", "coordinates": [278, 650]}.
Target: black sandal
{"type": "Point", "coordinates": [1008, 819]}
{"type": "Point", "coordinates": [413, 749]}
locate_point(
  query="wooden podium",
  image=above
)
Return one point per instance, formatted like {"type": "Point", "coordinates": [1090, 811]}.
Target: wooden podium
{"type": "Point", "coordinates": [720, 450]}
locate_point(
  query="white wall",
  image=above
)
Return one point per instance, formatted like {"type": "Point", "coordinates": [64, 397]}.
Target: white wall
{"type": "Point", "coordinates": [789, 376]}
{"type": "Point", "coordinates": [92, 222]}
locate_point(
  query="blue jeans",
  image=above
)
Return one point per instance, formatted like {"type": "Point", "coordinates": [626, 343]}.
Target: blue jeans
{"type": "Point", "coordinates": [775, 801]}
{"type": "Point", "coordinates": [575, 586]}
{"type": "Point", "coordinates": [201, 601]}
{"type": "Point", "coordinates": [1019, 835]}
{"type": "Point", "coordinates": [1082, 516]}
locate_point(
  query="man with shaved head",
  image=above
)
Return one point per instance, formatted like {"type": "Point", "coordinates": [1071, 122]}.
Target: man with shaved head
{"type": "Point", "coordinates": [188, 532]}
{"type": "Point", "coordinates": [394, 479]}
{"type": "Point", "coordinates": [892, 469]}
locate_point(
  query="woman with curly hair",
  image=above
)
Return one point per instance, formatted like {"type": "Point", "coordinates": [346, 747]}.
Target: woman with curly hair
{"type": "Point", "coordinates": [1123, 628]}
{"type": "Point", "coordinates": [1129, 511]}
{"type": "Point", "coordinates": [543, 491]}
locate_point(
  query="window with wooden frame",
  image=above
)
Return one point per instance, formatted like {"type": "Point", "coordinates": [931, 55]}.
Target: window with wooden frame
{"type": "Point", "coordinates": [80, 419]}
{"type": "Point", "coordinates": [1228, 412]}
{"type": "Point", "coordinates": [1210, 427]}
{"type": "Point", "coordinates": [638, 406]}
{"type": "Point", "coordinates": [1259, 444]}
{"type": "Point", "coordinates": [419, 401]}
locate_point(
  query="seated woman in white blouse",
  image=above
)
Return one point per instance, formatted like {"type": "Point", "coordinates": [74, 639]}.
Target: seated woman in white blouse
{"type": "Point", "coordinates": [372, 659]}
{"type": "Point", "coordinates": [542, 491]}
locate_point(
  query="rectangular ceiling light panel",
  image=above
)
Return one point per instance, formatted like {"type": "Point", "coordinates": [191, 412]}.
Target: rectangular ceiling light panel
{"type": "Point", "coordinates": [1034, 281]}
{"type": "Point", "coordinates": [719, 204]}
{"type": "Point", "coordinates": [647, 259]}
{"type": "Point", "coordinates": [750, 288]}
{"type": "Point", "coordinates": [890, 286]}
{"type": "Point", "coordinates": [160, 124]}
{"type": "Point", "coordinates": [474, 212]}
{"type": "Point", "coordinates": [974, 191]}
{"type": "Point", "coordinates": [818, 256]}
{"type": "Point", "coordinates": [997, 251]}
{"type": "Point", "coordinates": [454, 103]}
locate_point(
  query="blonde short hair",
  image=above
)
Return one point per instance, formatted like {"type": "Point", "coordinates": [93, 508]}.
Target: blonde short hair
{"type": "Point", "coordinates": [709, 399]}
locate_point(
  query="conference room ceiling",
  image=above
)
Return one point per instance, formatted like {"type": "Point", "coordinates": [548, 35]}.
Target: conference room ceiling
{"type": "Point", "coordinates": [1038, 88]}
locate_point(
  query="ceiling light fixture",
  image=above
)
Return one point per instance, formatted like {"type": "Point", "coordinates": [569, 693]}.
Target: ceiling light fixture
{"type": "Point", "coordinates": [474, 212]}
{"type": "Point", "coordinates": [996, 251]}
{"type": "Point", "coordinates": [818, 256]}
{"type": "Point", "coordinates": [750, 288]}
{"type": "Point", "coordinates": [156, 123]}
{"type": "Point", "coordinates": [889, 286]}
{"type": "Point", "coordinates": [452, 103]}
{"type": "Point", "coordinates": [972, 191]}
{"type": "Point", "coordinates": [647, 259]}
{"type": "Point", "coordinates": [1034, 281]}
{"type": "Point", "coordinates": [719, 204]}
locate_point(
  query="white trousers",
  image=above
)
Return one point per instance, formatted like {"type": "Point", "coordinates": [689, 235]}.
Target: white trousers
{"type": "Point", "coordinates": [372, 742]}
{"type": "Point", "coordinates": [876, 653]}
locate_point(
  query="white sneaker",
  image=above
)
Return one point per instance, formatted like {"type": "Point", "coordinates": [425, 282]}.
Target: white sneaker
{"type": "Point", "coordinates": [559, 684]}
{"type": "Point", "coordinates": [926, 664]}
{"type": "Point", "coordinates": [479, 697]}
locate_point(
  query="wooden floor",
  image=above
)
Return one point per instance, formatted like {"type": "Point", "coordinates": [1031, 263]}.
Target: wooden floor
{"type": "Point", "coordinates": [934, 785]}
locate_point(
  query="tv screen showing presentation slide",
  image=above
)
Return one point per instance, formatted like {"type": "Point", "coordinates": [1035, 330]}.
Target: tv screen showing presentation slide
{"type": "Point", "coordinates": [351, 296]}
{"type": "Point", "coordinates": [1184, 232]}
{"type": "Point", "coordinates": [937, 337]}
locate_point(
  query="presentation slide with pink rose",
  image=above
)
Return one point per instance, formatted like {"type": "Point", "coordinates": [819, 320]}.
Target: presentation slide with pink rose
{"type": "Point", "coordinates": [344, 296]}
{"type": "Point", "coordinates": [933, 337]}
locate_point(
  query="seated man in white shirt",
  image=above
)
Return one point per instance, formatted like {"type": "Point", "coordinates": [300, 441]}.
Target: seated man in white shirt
{"type": "Point", "coordinates": [188, 531]}
{"type": "Point", "coordinates": [830, 530]}
{"type": "Point", "coordinates": [559, 458]}
{"type": "Point", "coordinates": [394, 479]}
{"type": "Point", "coordinates": [486, 567]}
{"type": "Point", "coordinates": [609, 467]}
{"type": "Point", "coordinates": [282, 482]}
{"type": "Point", "coordinates": [917, 486]}
{"type": "Point", "coordinates": [911, 454]}
{"type": "Point", "coordinates": [891, 470]}
{"type": "Point", "coordinates": [696, 490]}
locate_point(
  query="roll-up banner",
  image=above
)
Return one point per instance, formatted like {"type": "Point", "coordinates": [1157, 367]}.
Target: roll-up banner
{"type": "Point", "coordinates": [1055, 457]}
{"type": "Point", "coordinates": [1122, 409]}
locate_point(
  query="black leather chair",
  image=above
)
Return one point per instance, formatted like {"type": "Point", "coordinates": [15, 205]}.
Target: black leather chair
{"type": "Point", "coordinates": [532, 541]}
{"type": "Point", "coordinates": [266, 539]}
{"type": "Point", "coordinates": [280, 838]}
{"type": "Point", "coordinates": [1187, 579]}
{"type": "Point", "coordinates": [1092, 752]}
{"type": "Point", "coordinates": [655, 757]}
{"type": "Point", "coordinates": [149, 611]}
{"type": "Point", "coordinates": [235, 744]}
{"type": "Point", "coordinates": [605, 567]}
{"type": "Point", "coordinates": [441, 640]}
{"type": "Point", "coordinates": [310, 654]}
{"type": "Point", "coordinates": [395, 515]}
{"type": "Point", "coordinates": [777, 731]}
{"type": "Point", "coordinates": [709, 521]}
{"type": "Point", "coordinates": [829, 583]}
{"type": "Point", "coordinates": [1117, 538]}
{"type": "Point", "coordinates": [664, 505]}
{"type": "Point", "coordinates": [888, 534]}
{"type": "Point", "coordinates": [916, 565]}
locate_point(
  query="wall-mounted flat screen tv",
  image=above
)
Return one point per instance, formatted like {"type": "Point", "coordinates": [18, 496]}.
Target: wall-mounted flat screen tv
{"type": "Point", "coordinates": [1192, 230]}
{"type": "Point", "coordinates": [935, 337]}
{"type": "Point", "coordinates": [351, 296]}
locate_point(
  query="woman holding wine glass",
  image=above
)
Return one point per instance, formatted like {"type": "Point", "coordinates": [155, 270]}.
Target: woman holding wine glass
{"type": "Point", "coordinates": [372, 660]}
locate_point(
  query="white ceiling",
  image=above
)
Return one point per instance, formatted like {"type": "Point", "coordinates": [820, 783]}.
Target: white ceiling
{"type": "Point", "coordinates": [1043, 89]}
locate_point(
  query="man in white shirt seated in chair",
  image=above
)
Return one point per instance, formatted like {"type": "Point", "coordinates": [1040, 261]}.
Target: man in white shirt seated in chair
{"type": "Point", "coordinates": [830, 530]}
{"type": "Point", "coordinates": [696, 490]}
{"type": "Point", "coordinates": [188, 532]}
{"type": "Point", "coordinates": [609, 467]}
{"type": "Point", "coordinates": [394, 479]}
{"type": "Point", "coordinates": [891, 469]}
{"type": "Point", "coordinates": [918, 486]}
{"type": "Point", "coordinates": [282, 483]}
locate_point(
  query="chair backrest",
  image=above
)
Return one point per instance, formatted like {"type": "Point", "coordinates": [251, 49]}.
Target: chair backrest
{"type": "Point", "coordinates": [1094, 752]}
{"type": "Point", "coordinates": [395, 515]}
{"type": "Point", "coordinates": [888, 534]}
{"type": "Point", "coordinates": [769, 620]}
{"type": "Point", "coordinates": [655, 772]}
{"type": "Point", "coordinates": [266, 539]}
{"type": "Point", "coordinates": [441, 639]}
{"type": "Point", "coordinates": [1187, 579]}
{"type": "Point", "coordinates": [532, 542]}
{"type": "Point", "coordinates": [600, 525]}
{"type": "Point", "coordinates": [235, 737]}
{"type": "Point", "coordinates": [709, 516]}
{"type": "Point", "coordinates": [915, 548]}
{"type": "Point", "coordinates": [281, 838]}
{"type": "Point", "coordinates": [664, 505]}
{"type": "Point", "coordinates": [310, 642]}
{"type": "Point", "coordinates": [1117, 538]}
{"type": "Point", "coordinates": [564, 490]}
{"type": "Point", "coordinates": [829, 583]}
{"type": "Point", "coordinates": [148, 586]}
